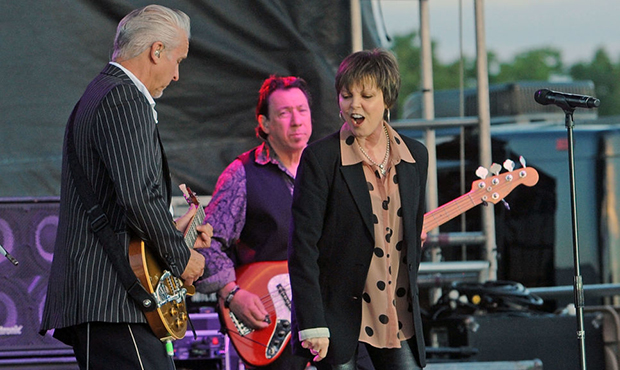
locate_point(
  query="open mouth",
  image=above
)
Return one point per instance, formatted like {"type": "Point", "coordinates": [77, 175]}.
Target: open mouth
{"type": "Point", "coordinates": [357, 118]}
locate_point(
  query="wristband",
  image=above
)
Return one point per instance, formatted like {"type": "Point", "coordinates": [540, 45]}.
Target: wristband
{"type": "Point", "coordinates": [230, 296]}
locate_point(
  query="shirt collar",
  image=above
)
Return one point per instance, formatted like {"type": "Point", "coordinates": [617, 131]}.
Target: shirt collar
{"type": "Point", "coordinates": [351, 154]}
{"type": "Point", "coordinates": [265, 154]}
{"type": "Point", "coordinates": [140, 87]}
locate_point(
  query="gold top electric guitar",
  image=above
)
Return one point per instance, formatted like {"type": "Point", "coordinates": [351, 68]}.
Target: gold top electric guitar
{"type": "Point", "coordinates": [169, 320]}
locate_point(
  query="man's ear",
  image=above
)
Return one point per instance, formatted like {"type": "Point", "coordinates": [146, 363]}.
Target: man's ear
{"type": "Point", "coordinates": [263, 121]}
{"type": "Point", "coordinates": [156, 49]}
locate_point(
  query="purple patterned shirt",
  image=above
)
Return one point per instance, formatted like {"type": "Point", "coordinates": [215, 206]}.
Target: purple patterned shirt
{"type": "Point", "coordinates": [226, 213]}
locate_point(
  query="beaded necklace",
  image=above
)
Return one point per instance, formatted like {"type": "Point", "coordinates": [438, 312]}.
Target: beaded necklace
{"type": "Point", "coordinates": [383, 165]}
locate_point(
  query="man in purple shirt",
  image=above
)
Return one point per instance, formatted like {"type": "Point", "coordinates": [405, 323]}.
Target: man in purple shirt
{"type": "Point", "coordinates": [251, 205]}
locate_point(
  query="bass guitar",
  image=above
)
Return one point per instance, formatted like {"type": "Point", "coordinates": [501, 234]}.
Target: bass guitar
{"type": "Point", "coordinates": [483, 191]}
{"type": "Point", "coordinates": [169, 320]}
{"type": "Point", "coordinates": [270, 280]}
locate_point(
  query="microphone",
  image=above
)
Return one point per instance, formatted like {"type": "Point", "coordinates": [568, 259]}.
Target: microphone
{"type": "Point", "coordinates": [563, 100]}
{"type": "Point", "coordinates": [8, 256]}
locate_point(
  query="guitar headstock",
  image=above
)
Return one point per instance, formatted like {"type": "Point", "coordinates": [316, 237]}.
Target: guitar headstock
{"type": "Point", "coordinates": [494, 189]}
{"type": "Point", "coordinates": [189, 195]}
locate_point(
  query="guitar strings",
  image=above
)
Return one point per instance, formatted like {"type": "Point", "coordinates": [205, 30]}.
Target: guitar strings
{"type": "Point", "coordinates": [432, 222]}
{"type": "Point", "coordinates": [247, 338]}
{"type": "Point", "coordinates": [272, 306]}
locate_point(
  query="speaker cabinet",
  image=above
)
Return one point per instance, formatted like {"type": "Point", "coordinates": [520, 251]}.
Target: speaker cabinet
{"type": "Point", "coordinates": [549, 338]}
{"type": "Point", "coordinates": [27, 232]}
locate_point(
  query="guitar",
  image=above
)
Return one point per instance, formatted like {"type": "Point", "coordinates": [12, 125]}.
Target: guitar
{"type": "Point", "coordinates": [492, 189]}
{"type": "Point", "coordinates": [169, 320]}
{"type": "Point", "coordinates": [270, 280]}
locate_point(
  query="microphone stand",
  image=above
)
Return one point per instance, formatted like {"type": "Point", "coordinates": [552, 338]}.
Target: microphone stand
{"type": "Point", "coordinates": [578, 282]}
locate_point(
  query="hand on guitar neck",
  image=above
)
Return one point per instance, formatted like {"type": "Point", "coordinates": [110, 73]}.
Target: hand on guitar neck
{"type": "Point", "coordinates": [196, 264]}
{"type": "Point", "coordinates": [247, 306]}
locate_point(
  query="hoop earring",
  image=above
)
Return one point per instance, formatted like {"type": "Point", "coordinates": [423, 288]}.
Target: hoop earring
{"type": "Point", "coordinates": [342, 117]}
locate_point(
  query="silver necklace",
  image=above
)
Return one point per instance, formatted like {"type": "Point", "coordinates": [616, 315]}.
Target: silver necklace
{"type": "Point", "coordinates": [383, 165]}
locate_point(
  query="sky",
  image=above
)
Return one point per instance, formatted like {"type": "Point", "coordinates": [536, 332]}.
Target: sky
{"type": "Point", "coordinates": [575, 27]}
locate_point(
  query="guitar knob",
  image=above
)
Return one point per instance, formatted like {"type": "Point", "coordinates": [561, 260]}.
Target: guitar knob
{"type": "Point", "coordinates": [286, 323]}
{"type": "Point", "coordinates": [177, 323]}
{"type": "Point", "coordinates": [174, 311]}
{"type": "Point", "coordinates": [281, 333]}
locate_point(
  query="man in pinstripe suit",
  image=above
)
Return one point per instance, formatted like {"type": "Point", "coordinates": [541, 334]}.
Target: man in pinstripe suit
{"type": "Point", "coordinates": [117, 144]}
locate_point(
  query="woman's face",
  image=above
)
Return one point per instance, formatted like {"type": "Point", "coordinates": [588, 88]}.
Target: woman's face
{"type": "Point", "coordinates": [362, 107]}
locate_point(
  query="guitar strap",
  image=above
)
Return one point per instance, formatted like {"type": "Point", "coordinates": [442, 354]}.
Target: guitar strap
{"type": "Point", "coordinates": [100, 226]}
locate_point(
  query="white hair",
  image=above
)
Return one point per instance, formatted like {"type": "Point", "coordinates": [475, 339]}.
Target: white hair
{"type": "Point", "coordinates": [139, 29]}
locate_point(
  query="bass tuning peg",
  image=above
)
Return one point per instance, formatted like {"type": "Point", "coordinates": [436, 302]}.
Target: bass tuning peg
{"type": "Point", "coordinates": [495, 168]}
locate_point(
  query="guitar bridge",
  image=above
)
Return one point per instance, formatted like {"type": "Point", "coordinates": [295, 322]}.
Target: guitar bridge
{"type": "Point", "coordinates": [169, 289]}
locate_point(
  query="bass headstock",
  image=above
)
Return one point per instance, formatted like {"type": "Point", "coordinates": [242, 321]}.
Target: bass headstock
{"type": "Point", "coordinates": [495, 188]}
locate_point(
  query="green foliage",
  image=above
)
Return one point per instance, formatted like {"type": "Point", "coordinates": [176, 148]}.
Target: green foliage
{"type": "Point", "coordinates": [407, 53]}
{"type": "Point", "coordinates": [540, 64]}
{"type": "Point", "coordinates": [602, 71]}
{"type": "Point", "coordinates": [534, 65]}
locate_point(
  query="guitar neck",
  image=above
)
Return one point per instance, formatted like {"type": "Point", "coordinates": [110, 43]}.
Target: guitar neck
{"type": "Point", "coordinates": [448, 211]}
{"type": "Point", "coordinates": [192, 230]}
{"type": "Point", "coordinates": [491, 190]}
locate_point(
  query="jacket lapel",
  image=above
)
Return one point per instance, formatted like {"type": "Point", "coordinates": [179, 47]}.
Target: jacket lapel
{"type": "Point", "coordinates": [356, 182]}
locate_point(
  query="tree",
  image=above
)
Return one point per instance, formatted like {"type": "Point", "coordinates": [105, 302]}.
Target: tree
{"type": "Point", "coordinates": [605, 76]}
{"type": "Point", "coordinates": [540, 64]}
{"type": "Point", "coordinates": [533, 65]}
{"type": "Point", "coordinates": [407, 52]}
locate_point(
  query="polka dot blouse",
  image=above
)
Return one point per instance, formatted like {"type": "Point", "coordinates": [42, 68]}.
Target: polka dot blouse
{"type": "Point", "coordinates": [386, 308]}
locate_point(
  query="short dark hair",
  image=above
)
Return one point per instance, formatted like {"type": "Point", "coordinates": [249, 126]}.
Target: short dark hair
{"type": "Point", "coordinates": [378, 66]}
{"type": "Point", "coordinates": [270, 85]}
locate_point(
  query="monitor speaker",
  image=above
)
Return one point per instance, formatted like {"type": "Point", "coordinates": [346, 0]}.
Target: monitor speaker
{"type": "Point", "coordinates": [27, 232]}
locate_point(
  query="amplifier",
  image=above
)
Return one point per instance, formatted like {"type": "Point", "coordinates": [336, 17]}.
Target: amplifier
{"type": "Point", "coordinates": [210, 349]}
{"type": "Point", "coordinates": [209, 341]}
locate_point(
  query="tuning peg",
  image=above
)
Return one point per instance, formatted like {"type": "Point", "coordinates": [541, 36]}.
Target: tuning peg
{"type": "Point", "coordinates": [522, 161]}
{"type": "Point", "coordinates": [509, 165]}
{"type": "Point", "coordinates": [482, 172]}
{"type": "Point", "coordinates": [495, 168]}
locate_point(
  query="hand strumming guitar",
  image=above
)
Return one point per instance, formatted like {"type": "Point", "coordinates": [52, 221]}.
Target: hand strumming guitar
{"type": "Point", "coordinates": [246, 306]}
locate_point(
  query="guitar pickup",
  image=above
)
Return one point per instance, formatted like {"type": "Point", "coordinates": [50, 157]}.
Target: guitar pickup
{"type": "Point", "coordinates": [241, 328]}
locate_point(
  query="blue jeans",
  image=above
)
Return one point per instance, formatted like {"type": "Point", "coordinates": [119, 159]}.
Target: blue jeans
{"type": "Point", "coordinates": [382, 358]}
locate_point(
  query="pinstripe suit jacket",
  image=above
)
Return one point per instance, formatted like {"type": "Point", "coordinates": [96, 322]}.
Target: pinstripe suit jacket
{"type": "Point", "coordinates": [118, 146]}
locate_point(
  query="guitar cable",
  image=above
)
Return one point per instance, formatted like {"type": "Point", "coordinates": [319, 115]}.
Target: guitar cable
{"type": "Point", "coordinates": [191, 325]}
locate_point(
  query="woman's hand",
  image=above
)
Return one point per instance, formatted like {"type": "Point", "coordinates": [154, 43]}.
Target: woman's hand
{"type": "Point", "coordinates": [317, 346]}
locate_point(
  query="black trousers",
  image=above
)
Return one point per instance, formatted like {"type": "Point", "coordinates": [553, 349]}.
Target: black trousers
{"type": "Point", "coordinates": [99, 346]}
{"type": "Point", "coordinates": [381, 358]}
